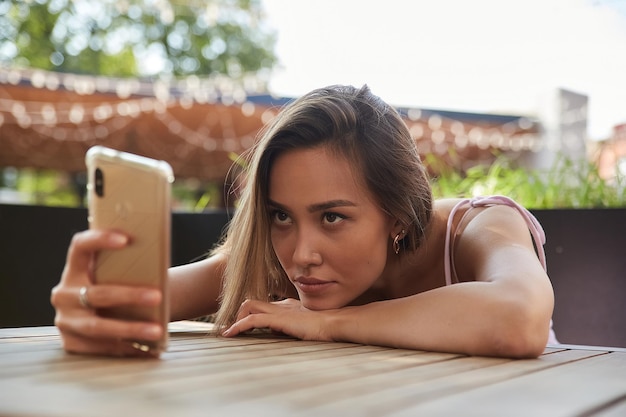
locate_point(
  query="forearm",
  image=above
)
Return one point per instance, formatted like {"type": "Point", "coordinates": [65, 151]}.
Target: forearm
{"type": "Point", "coordinates": [476, 318]}
{"type": "Point", "coordinates": [195, 288]}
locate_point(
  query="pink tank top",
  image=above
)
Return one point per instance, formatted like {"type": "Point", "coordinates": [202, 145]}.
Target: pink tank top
{"type": "Point", "coordinates": [539, 237]}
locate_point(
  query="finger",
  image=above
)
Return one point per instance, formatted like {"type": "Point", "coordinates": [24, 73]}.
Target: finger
{"type": "Point", "coordinates": [287, 302]}
{"type": "Point", "coordinates": [104, 296]}
{"type": "Point", "coordinates": [89, 325]}
{"type": "Point", "coordinates": [251, 322]}
{"type": "Point", "coordinates": [101, 296]}
{"type": "Point", "coordinates": [122, 348]}
{"type": "Point", "coordinates": [256, 321]}
{"type": "Point", "coordinates": [84, 245]}
{"type": "Point", "coordinates": [249, 307]}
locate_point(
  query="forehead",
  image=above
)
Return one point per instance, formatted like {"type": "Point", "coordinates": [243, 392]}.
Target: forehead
{"type": "Point", "coordinates": [316, 174]}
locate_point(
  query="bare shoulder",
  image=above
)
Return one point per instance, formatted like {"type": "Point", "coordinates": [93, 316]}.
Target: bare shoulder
{"type": "Point", "coordinates": [496, 240]}
{"type": "Point", "coordinates": [445, 205]}
{"type": "Point", "coordinates": [486, 238]}
{"type": "Point", "coordinates": [500, 224]}
{"type": "Point", "coordinates": [497, 218]}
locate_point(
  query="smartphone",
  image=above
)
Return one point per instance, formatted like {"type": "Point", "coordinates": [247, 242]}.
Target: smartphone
{"type": "Point", "coordinates": [131, 194]}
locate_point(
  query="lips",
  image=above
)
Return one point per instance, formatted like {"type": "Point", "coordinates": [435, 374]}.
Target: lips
{"type": "Point", "coordinates": [312, 285]}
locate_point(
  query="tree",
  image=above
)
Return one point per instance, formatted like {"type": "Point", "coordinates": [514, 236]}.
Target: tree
{"type": "Point", "coordinates": [145, 38]}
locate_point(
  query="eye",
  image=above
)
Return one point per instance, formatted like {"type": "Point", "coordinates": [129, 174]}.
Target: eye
{"type": "Point", "coordinates": [333, 218]}
{"type": "Point", "coordinates": [280, 218]}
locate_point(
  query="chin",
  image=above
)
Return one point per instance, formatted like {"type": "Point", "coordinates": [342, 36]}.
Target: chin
{"type": "Point", "coordinates": [319, 304]}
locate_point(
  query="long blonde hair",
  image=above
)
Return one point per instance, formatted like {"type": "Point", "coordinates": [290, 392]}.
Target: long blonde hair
{"type": "Point", "coordinates": [353, 123]}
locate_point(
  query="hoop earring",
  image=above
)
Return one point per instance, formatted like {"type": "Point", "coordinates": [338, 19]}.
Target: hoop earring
{"type": "Point", "coordinates": [396, 242]}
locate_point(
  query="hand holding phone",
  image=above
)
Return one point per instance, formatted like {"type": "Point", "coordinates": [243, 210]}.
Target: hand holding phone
{"type": "Point", "coordinates": [131, 194]}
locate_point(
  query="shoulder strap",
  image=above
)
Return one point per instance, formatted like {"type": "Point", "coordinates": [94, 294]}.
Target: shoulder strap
{"type": "Point", "coordinates": [539, 237]}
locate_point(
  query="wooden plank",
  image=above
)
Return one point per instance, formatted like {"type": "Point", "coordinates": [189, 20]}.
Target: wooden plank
{"type": "Point", "coordinates": [174, 327]}
{"type": "Point", "coordinates": [130, 381]}
{"type": "Point", "coordinates": [28, 344]}
{"type": "Point", "coordinates": [37, 378]}
{"type": "Point", "coordinates": [58, 364]}
{"type": "Point", "coordinates": [570, 389]}
{"type": "Point", "coordinates": [133, 374]}
{"type": "Point", "coordinates": [319, 392]}
{"type": "Point", "coordinates": [263, 374]}
{"type": "Point", "coordinates": [615, 409]}
{"type": "Point", "coordinates": [380, 394]}
{"type": "Point", "coordinates": [86, 390]}
{"type": "Point", "coordinates": [22, 397]}
{"type": "Point", "coordinates": [587, 347]}
{"type": "Point", "coordinates": [189, 325]}
{"type": "Point", "coordinates": [11, 332]}
{"type": "Point", "coordinates": [22, 350]}
{"type": "Point", "coordinates": [304, 372]}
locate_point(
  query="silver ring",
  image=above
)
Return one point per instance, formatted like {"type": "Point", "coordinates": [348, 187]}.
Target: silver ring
{"type": "Point", "coordinates": [82, 298]}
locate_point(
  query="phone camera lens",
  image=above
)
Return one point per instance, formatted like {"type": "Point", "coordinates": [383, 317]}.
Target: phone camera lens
{"type": "Point", "coordinates": [99, 182]}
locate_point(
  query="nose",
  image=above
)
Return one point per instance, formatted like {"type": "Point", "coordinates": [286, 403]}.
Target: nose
{"type": "Point", "coordinates": [306, 252]}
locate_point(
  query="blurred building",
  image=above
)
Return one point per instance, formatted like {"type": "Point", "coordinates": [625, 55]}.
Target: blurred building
{"type": "Point", "coordinates": [563, 116]}
{"type": "Point", "coordinates": [610, 154]}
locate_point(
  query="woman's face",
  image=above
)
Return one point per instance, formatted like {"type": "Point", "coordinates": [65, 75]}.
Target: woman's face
{"type": "Point", "coordinates": [330, 236]}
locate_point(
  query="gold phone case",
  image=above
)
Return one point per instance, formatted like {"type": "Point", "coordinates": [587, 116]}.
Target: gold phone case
{"type": "Point", "coordinates": [131, 193]}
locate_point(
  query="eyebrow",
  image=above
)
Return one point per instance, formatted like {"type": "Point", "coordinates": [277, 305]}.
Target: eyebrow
{"type": "Point", "coordinates": [326, 205]}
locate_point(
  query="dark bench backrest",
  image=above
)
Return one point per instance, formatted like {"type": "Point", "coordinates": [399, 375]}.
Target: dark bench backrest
{"type": "Point", "coordinates": [586, 252]}
{"type": "Point", "coordinates": [33, 246]}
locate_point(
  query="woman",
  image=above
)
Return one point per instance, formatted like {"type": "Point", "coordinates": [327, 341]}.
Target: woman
{"type": "Point", "coordinates": [336, 222]}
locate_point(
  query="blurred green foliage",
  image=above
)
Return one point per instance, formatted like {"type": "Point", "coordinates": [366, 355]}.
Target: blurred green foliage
{"type": "Point", "coordinates": [138, 37]}
{"type": "Point", "coordinates": [131, 38]}
{"type": "Point", "coordinates": [41, 187]}
{"type": "Point", "coordinates": [55, 188]}
{"type": "Point", "coordinates": [567, 184]}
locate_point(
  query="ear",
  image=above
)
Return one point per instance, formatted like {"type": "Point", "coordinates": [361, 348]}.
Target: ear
{"type": "Point", "coordinates": [397, 228]}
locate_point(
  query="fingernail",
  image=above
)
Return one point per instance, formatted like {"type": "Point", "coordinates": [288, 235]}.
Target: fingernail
{"type": "Point", "coordinates": [151, 332]}
{"type": "Point", "coordinates": [151, 297]}
{"type": "Point", "coordinates": [226, 332]}
{"type": "Point", "coordinates": [118, 239]}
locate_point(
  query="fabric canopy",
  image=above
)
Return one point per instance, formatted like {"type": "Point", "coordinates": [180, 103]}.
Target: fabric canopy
{"type": "Point", "coordinates": [199, 141]}
{"type": "Point", "coordinates": [49, 121]}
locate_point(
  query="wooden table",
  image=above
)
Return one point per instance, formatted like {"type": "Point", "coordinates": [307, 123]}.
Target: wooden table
{"type": "Point", "coordinates": [268, 375]}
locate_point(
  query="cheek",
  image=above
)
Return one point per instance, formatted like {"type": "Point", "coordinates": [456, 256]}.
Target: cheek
{"type": "Point", "coordinates": [281, 247]}
{"type": "Point", "coordinates": [366, 256]}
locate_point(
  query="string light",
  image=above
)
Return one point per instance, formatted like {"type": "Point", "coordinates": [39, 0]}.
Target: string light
{"type": "Point", "coordinates": [87, 120]}
{"type": "Point", "coordinates": [50, 119]}
{"type": "Point", "coordinates": [430, 128]}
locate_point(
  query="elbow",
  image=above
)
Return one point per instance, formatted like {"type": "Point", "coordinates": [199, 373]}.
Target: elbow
{"type": "Point", "coordinates": [520, 346]}
{"type": "Point", "coordinates": [523, 334]}
{"type": "Point", "coordinates": [523, 324]}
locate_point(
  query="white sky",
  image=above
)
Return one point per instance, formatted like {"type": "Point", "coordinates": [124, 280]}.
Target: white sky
{"type": "Point", "coordinates": [476, 56]}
